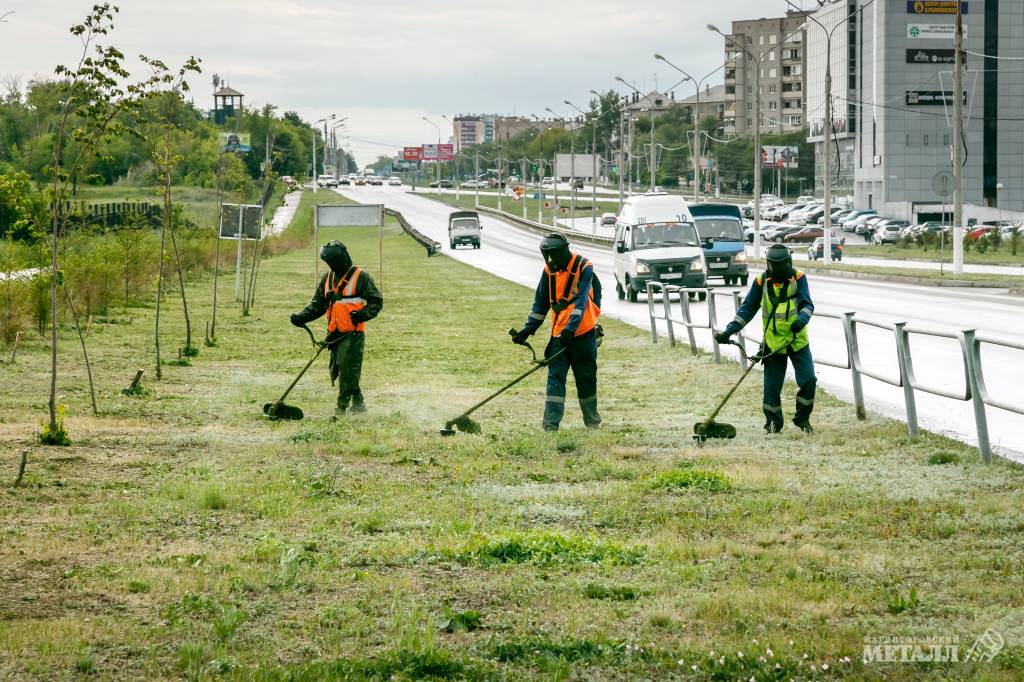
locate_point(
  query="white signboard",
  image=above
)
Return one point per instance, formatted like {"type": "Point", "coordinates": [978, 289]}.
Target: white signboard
{"type": "Point", "coordinates": [584, 166]}
{"type": "Point", "coordinates": [933, 31]}
{"type": "Point", "coordinates": [354, 215]}
{"type": "Point", "coordinates": [430, 152]}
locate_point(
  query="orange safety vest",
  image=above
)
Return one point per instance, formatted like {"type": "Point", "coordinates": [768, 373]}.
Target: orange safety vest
{"type": "Point", "coordinates": [342, 301]}
{"type": "Point", "coordinates": [563, 290]}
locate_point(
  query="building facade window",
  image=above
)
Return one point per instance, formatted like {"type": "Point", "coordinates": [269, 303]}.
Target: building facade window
{"type": "Point", "coordinates": [773, 73]}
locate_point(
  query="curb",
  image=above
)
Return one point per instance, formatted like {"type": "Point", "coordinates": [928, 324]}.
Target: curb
{"type": "Point", "coordinates": [907, 279]}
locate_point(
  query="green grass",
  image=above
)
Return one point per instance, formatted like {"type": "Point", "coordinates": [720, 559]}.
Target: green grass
{"type": "Point", "coordinates": [183, 535]}
{"type": "Point", "coordinates": [995, 280]}
{"type": "Point", "coordinates": [583, 203]}
{"type": "Point", "coordinates": [1000, 256]}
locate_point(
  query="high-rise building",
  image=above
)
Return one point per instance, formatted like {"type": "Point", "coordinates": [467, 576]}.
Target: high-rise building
{"type": "Point", "coordinates": [892, 76]}
{"type": "Point", "coordinates": [769, 52]}
{"type": "Point", "coordinates": [469, 130]}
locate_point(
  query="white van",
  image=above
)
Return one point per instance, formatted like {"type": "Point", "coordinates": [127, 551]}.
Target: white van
{"type": "Point", "coordinates": [655, 239]}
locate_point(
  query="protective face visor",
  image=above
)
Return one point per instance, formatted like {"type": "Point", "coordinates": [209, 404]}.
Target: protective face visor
{"type": "Point", "coordinates": [780, 263]}
{"type": "Point", "coordinates": [555, 250]}
{"type": "Point", "coordinates": [336, 256]}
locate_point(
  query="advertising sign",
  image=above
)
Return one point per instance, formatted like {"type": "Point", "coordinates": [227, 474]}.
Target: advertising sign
{"type": "Point", "coordinates": [933, 31]}
{"type": "Point", "coordinates": [351, 215]}
{"type": "Point", "coordinates": [584, 166]}
{"type": "Point", "coordinates": [780, 157]}
{"type": "Point", "coordinates": [933, 56]}
{"type": "Point", "coordinates": [935, 7]}
{"type": "Point", "coordinates": [924, 98]}
{"type": "Point", "coordinates": [445, 152]}
{"type": "Point", "coordinates": [236, 142]}
{"type": "Point", "coordinates": [412, 153]}
{"type": "Point", "coordinates": [429, 152]}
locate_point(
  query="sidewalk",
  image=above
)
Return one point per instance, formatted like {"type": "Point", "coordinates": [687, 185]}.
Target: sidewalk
{"type": "Point", "coordinates": [284, 213]}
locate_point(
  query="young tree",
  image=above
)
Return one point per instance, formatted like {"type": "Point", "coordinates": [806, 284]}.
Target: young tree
{"type": "Point", "coordinates": [97, 101]}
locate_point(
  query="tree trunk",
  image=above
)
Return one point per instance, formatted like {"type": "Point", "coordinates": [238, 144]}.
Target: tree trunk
{"type": "Point", "coordinates": [160, 283]}
{"type": "Point", "coordinates": [85, 353]}
{"type": "Point", "coordinates": [184, 301]}
{"type": "Point", "coordinates": [53, 321]}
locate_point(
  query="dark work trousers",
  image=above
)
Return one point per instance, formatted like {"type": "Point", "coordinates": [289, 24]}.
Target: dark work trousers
{"type": "Point", "coordinates": [581, 356]}
{"type": "Point", "coordinates": [775, 376]}
{"type": "Point", "coordinates": [347, 367]}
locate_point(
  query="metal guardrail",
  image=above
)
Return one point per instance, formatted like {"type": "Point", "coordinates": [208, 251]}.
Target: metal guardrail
{"type": "Point", "coordinates": [541, 228]}
{"type": "Point", "coordinates": [433, 248]}
{"type": "Point", "coordinates": [970, 343]}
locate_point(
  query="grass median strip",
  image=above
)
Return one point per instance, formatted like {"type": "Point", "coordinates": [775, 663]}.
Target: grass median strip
{"type": "Point", "coordinates": [184, 535]}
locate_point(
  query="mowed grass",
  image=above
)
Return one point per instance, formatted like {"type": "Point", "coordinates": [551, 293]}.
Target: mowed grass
{"type": "Point", "coordinates": [605, 203]}
{"type": "Point", "coordinates": [183, 535]}
{"type": "Point", "coordinates": [1002, 256]}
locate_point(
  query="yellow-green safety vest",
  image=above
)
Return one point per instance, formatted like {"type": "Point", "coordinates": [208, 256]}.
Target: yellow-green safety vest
{"type": "Point", "coordinates": [778, 311]}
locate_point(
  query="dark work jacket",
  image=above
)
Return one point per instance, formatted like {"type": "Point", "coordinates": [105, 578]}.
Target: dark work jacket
{"type": "Point", "coordinates": [365, 289]}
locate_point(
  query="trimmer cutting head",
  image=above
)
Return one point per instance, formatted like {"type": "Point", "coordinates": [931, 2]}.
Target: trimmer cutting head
{"type": "Point", "coordinates": [463, 423]}
{"type": "Point", "coordinates": [712, 429]}
{"type": "Point", "coordinates": [278, 410]}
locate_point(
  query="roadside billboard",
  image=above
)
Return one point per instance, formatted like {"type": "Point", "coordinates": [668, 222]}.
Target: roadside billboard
{"type": "Point", "coordinates": [429, 152]}
{"type": "Point", "coordinates": [412, 153]}
{"type": "Point", "coordinates": [236, 142]}
{"type": "Point", "coordinates": [935, 6]}
{"type": "Point", "coordinates": [248, 215]}
{"type": "Point", "coordinates": [564, 166]}
{"type": "Point", "coordinates": [780, 157]}
{"type": "Point", "coordinates": [445, 152]}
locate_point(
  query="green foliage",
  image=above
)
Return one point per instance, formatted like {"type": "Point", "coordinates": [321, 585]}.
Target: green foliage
{"type": "Point", "coordinates": [612, 592]}
{"type": "Point", "coordinates": [545, 548]}
{"type": "Point", "coordinates": [55, 433]}
{"type": "Point", "coordinates": [897, 603]}
{"type": "Point", "coordinates": [701, 479]}
{"type": "Point", "coordinates": [943, 458]}
{"type": "Point", "coordinates": [213, 498]}
{"type": "Point", "coordinates": [459, 621]}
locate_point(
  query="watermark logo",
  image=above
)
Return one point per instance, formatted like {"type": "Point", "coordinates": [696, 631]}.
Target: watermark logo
{"type": "Point", "coordinates": [886, 649]}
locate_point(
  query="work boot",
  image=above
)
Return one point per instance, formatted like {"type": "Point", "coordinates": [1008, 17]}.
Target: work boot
{"type": "Point", "coordinates": [550, 427]}
{"type": "Point", "coordinates": [358, 406]}
{"type": "Point", "coordinates": [772, 427]}
{"type": "Point", "coordinates": [343, 401]}
{"type": "Point", "coordinates": [804, 426]}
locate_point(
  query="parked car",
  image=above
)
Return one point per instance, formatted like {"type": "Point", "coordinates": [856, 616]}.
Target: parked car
{"type": "Point", "coordinates": [473, 184]}
{"type": "Point", "coordinates": [445, 184]}
{"type": "Point", "coordinates": [867, 226]}
{"type": "Point", "coordinates": [464, 228]}
{"type": "Point", "coordinates": [816, 251]}
{"type": "Point", "coordinates": [889, 231]}
{"type": "Point", "coordinates": [779, 233]}
{"type": "Point", "coordinates": [545, 183]}
{"type": "Point", "coordinates": [851, 222]}
{"type": "Point", "coordinates": [394, 181]}
{"type": "Point", "coordinates": [805, 235]}
{"type": "Point", "coordinates": [608, 218]}
{"type": "Point", "coordinates": [838, 215]}
{"type": "Point", "coordinates": [809, 216]}
{"type": "Point", "coordinates": [806, 199]}
{"type": "Point", "coordinates": [979, 232]}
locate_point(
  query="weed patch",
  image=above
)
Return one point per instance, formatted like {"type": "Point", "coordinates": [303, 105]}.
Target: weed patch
{"type": "Point", "coordinates": [612, 592]}
{"type": "Point", "coordinates": [545, 549]}
{"type": "Point", "coordinates": [700, 479]}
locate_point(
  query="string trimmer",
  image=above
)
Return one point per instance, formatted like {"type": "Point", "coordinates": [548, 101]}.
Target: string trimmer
{"type": "Point", "coordinates": [709, 428]}
{"type": "Point", "coordinates": [465, 424]}
{"type": "Point", "coordinates": [278, 409]}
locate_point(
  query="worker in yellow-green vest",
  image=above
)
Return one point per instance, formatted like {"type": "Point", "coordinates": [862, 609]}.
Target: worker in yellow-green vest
{"type": "Point", "coordinates": [784, 298]}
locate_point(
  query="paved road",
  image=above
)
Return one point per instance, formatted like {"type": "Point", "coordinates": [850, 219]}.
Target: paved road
{"type": "Point", "coordinates": [511, 253]}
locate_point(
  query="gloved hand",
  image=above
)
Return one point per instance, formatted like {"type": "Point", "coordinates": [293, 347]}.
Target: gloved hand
{"type": "Point", "coordinates": [566, 336]}
{"type": "Point", "coordinates": [723, 336]}
{"type": "Point", "coordinates": [796, 326]}
{"type": "Point", "coordinates": [296, 320]}
{"type": "Point", "coordinates": [519, 338]}
{"type": "Point", "coordinates": [357, 316]}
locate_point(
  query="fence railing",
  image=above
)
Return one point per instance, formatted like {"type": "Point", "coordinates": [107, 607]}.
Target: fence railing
{"type": "Point", "coordinates": [433, 248]}
{"type": "Point", "coordinates": [969, 342]}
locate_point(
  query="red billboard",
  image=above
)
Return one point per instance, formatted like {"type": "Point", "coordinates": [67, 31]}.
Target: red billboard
{"type": "Point", "coordinates": [445, 152]}
{"type": "Point", "coordinates": [412, 153]}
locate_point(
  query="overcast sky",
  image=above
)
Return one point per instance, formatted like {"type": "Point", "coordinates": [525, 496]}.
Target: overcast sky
{"type": "Point", "coordinates": [386, 63]}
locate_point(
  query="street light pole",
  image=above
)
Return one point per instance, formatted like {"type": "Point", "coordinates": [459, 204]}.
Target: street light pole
{"type": "Point", "coordinates": [437, 152]}
{"type": "Point", "coordinates": [593, 154]}
{"type": "Point", "coordinates": [458, 192]}
{"type": "Point", "coordinates": [313, 131]}
{"type": "Point", "coordinates": [650, 109]}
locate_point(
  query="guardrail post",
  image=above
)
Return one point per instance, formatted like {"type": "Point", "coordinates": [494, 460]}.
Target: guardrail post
{"type": "Point", "coordinates": [736, 306]}
{"type": "Point", "coordinates": [684, 307]}
{"type": "Point", "coordinates": [650, 313]}
{"type": "Point", "coordinates": [713, 324]}
{"type": "Point", "coordinates": [666, 302]}
{"type": "Point", "coordinates": [853, 352]}
{"type": "Point", "coordinates": [974, 382]}
{"type": "Point", "coordinates": [906, 377]}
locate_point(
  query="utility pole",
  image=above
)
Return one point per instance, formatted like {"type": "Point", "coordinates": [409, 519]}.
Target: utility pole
{"type": "Point", "coordinates": [958, 136]}
{"type": "Point", "coordinates": [826, 253]}
{"type": "Point", "coordinates": [622, 142]}
{"type": "Point", "coordinates": [654, 151]}
{"type": "Point", "coordinates": [476, 181]}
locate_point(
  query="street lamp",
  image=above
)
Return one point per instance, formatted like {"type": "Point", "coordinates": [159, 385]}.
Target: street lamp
{"type": "Point", "coordinates": [334, 143]}
{"type": "Point", "coordinates": [593, 154]}
{"type": "Point", "coordinates": [458, 192]}
{"type": "Point", "coordinates": [651, 110]}
{"type": "Point", "coordinates": [313, 133]}
{"type": "Point", "coordinates": [554, 167]}
{"type": "Point", "coordinates": [437, 152]}
{"type": "Point", "coordinates": [827, 160]}
{"type": "Point", "coordinates": [696, 121]}
{"type": "Point", "coordinates": [622, 138]}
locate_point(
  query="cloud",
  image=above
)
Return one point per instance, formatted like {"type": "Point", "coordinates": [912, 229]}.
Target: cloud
{"type": "Point", "coordinates": [387, 62]}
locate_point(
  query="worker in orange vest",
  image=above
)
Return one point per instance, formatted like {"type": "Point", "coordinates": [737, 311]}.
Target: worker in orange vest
{"type": "Point", "coordinates": [349, 298]}
{"type": "Point", "coordinates": [571, 291]}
